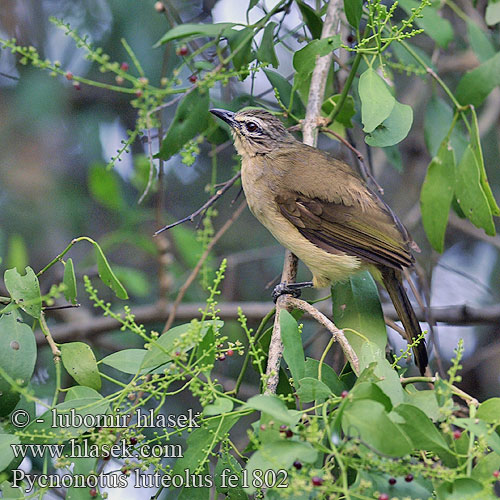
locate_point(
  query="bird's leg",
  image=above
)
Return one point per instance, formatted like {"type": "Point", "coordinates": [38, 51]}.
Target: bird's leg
{"type": "Point", "coordinates": [293, 289]}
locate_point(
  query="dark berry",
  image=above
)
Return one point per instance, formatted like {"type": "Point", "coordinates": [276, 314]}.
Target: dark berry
{"type": "Point", "coordinates": [229, 352]}
{"type": "Point", "coordinates": [106, 457]}
{"type": "Point", "coordinates": [193, 78]}
{"type": "Point", "coordinates": [457, 434]}
{"type": "Point", "coordinates": [93, 492]}
{"type": "Point", "coordinates": [344, 394]}
{"type": "Point", "coordinates": [350, 38]}
{"type": "Point", "coordinates": [182, 51]}
{"type": "Point", "coordinates": [392, 481]}
{"type": "Point", "coordinates": [77, 86]}
{"type": "Point", "coordinates": [383, 496]}
{"type": "Point", "coordinates": [409, 478]}
{"type": "Point", "coordinates": [317, 481]}
{"type": "Point", "coordinates": [69, 75]}
{"type": "Point", "coordinates": [222, 357]}
{"type": "Point", "coordinates": [124, 66]}
{"type": "Point", "coordinates": [297, 465]}
{"type": "Point", "coordinates": [138, 93]}
{"type": "Point", "coordinates": [288, 433]}
{"type": "Point", "coordinates": [496, 474]}
{"type": "Point", "coordinates": [133, 441]}
{"type": "Point", "coordinates": [125, 471]}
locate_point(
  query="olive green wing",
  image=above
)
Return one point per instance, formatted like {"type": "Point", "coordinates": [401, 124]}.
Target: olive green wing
{"type": "Point", "coordinates": [366, 228]}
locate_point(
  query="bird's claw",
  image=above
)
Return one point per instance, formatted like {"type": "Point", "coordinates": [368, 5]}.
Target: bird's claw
{"type": "Point", "coordinates": [285, 289]}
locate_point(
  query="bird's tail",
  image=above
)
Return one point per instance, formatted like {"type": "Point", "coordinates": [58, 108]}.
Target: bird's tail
{"type": "Point", "coordinates": [394, 284]}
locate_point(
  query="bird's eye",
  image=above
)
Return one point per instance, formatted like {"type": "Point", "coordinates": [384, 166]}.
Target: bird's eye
{"type": "Point", "coordinates": [251, 126]}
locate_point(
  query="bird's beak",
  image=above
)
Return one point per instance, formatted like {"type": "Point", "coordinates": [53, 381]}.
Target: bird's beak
{"type": "Point", "coordinates": [227, 116]}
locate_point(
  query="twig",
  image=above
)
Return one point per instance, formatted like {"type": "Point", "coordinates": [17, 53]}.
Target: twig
{"type": "Point", "coordinates": [458, 392]}
{"type": "Point", "coordinates": [330, 326]}
{"type": "Point", "coordinates": [53, 347]}
{"type": "Point", "coordinates": [364, 170]}
{"type": "Point", "coordinates": [309, 134]}
{"type": "Point", "coordinates": [203, 258]}
{"type": "Point", "coordinates": [319, 76]}
{"type": "Point", "coordinates": [207, 204]}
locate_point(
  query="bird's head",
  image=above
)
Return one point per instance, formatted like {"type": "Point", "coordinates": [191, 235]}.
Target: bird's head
{"type": "Point", "coordinates": [255, 131]}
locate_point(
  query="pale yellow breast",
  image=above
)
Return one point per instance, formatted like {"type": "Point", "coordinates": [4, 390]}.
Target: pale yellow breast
{"type": "Point", "coordinates": [261, 183]}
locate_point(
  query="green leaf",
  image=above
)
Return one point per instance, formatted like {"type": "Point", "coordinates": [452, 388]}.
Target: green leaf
{"type": "Point", "coordinates": [227, 461]}
{"type": "Point", "coordinates": [107, 275]}
{"type": "Point", "coordinates": [17, 359]}
{"type": "Point", "coordinates": [489, 410]}
{"type": "Point", "coordinates": [17, 253]}
{"type": "Point", "coordinates": [284, 89]}
{"type": "Point", "coordinates": [478, 153]}
{"type": "Point", "coordinates": [353, 10]}
{"type": "Point", "coordinates": [293, 352]}
{"type": "Point", "coordinates": [265, 52]}
{"type": "Point", "coordinates": [369, 390]}
{"type": "Point", "coordinates": [126, 361]}
{"type": "Point", "coordinates": [356, 305]}
{"type": "Point", "coordinates": [240, 43]}
{"type": "Point", "coordinates": [104, 187]}
{"type": "Point", "coordinates": [274, 406]}
{"type": "Point", "coordinates": [480, 429]}
{"type": "Point", "coordinates": [362, 417]}
{"type": "Point", "coordinates": [6, 453]}
{"type": "Point", "coordinates": [219, 405]}
{"type": "Point", "coordinates": [187, 243]}
{"type": "Point", "coordinates": [10, 492]}
{"type": "Point", "coordinates": [328, 376]}
{"type": "Point", "coordinates": [438, 119]}
{"type": "Point", "coordinates": [163, 349]}
{"type": "Point", "coordinates": [304, 59]}
{"type": "Point", "coordinates": [69, 281]}
{"type": "Point", "coordinates": [277, 455]}
{"type": "Point", "coordinates": [346, 113]}
{"type": "Point", "coordinates": [492, 15]}
{"type": "Point", "coordinates": [372, 358]}
{"type": "Point", "coordinates": [425, 400]}
{"type": "Point", "coordinates": [311, 19]}
{"type": "Point", "coordinates": [434, 26]}
{"type": "Point", "coordinates": [470, 195]}
{"type": "Point", "coordinates": [437, 194]}
{"type": "Point", "coordinates": [479, 42]}
{"type": "Point", "coordinates": [24, 290]}
{"type": "Point", "coordinates": [191, 118]}
{"type": "Point", "coordinates": [485, 466]}
{"type": "Point", "coordinates": [475, 85]}
{"type": "Point", "coordinates": [423, 433]}
{"type": "Point", "coordinates": [377, 101]}
{"type": "Point", "coordinates": [394, 128]}
{"type": "Point", "coordinates": [192, 31]}
{"type": "Point", "coordinates": [138, 283]}
{"type": "Point", "coordinates": [205, 352]}
{"type": "Point", "coordinates": [463, 489]}
{"type": "Point", "coordinates": [312, 389]}
{"type": "Point", "coordinates": [80, 363]}
{"type": "Point", "coordinates": [84, 466]}
{"type": "Point", "coordinates": [201, 442]}
{"type": "Point", "coordinates": [44, 432]}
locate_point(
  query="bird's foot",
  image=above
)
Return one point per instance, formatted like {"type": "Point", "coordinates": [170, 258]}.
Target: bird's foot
{"type": "Point", "coordinates": [293, 289]}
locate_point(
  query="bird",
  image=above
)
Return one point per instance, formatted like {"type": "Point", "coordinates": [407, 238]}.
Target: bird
{"type": "Point", "coordinates": [319, 208]}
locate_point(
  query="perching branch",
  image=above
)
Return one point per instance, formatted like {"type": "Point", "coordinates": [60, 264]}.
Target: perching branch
{"type": "Point", "coordinates": [310, 135]}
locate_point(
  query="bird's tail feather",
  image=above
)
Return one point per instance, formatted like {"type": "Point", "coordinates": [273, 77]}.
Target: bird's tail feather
{"type": "Point", "coordinates": [394, 284]}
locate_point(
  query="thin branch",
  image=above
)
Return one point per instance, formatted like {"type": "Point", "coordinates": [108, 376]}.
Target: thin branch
{"type": "Point", "coordinates": [458, 315]}
{"type": "Point", "coordinates": [203, 258]}
{"type": "Point", "coordinates": [207, 204]}
{"type": "Point", "coordinates": [330, 326]}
